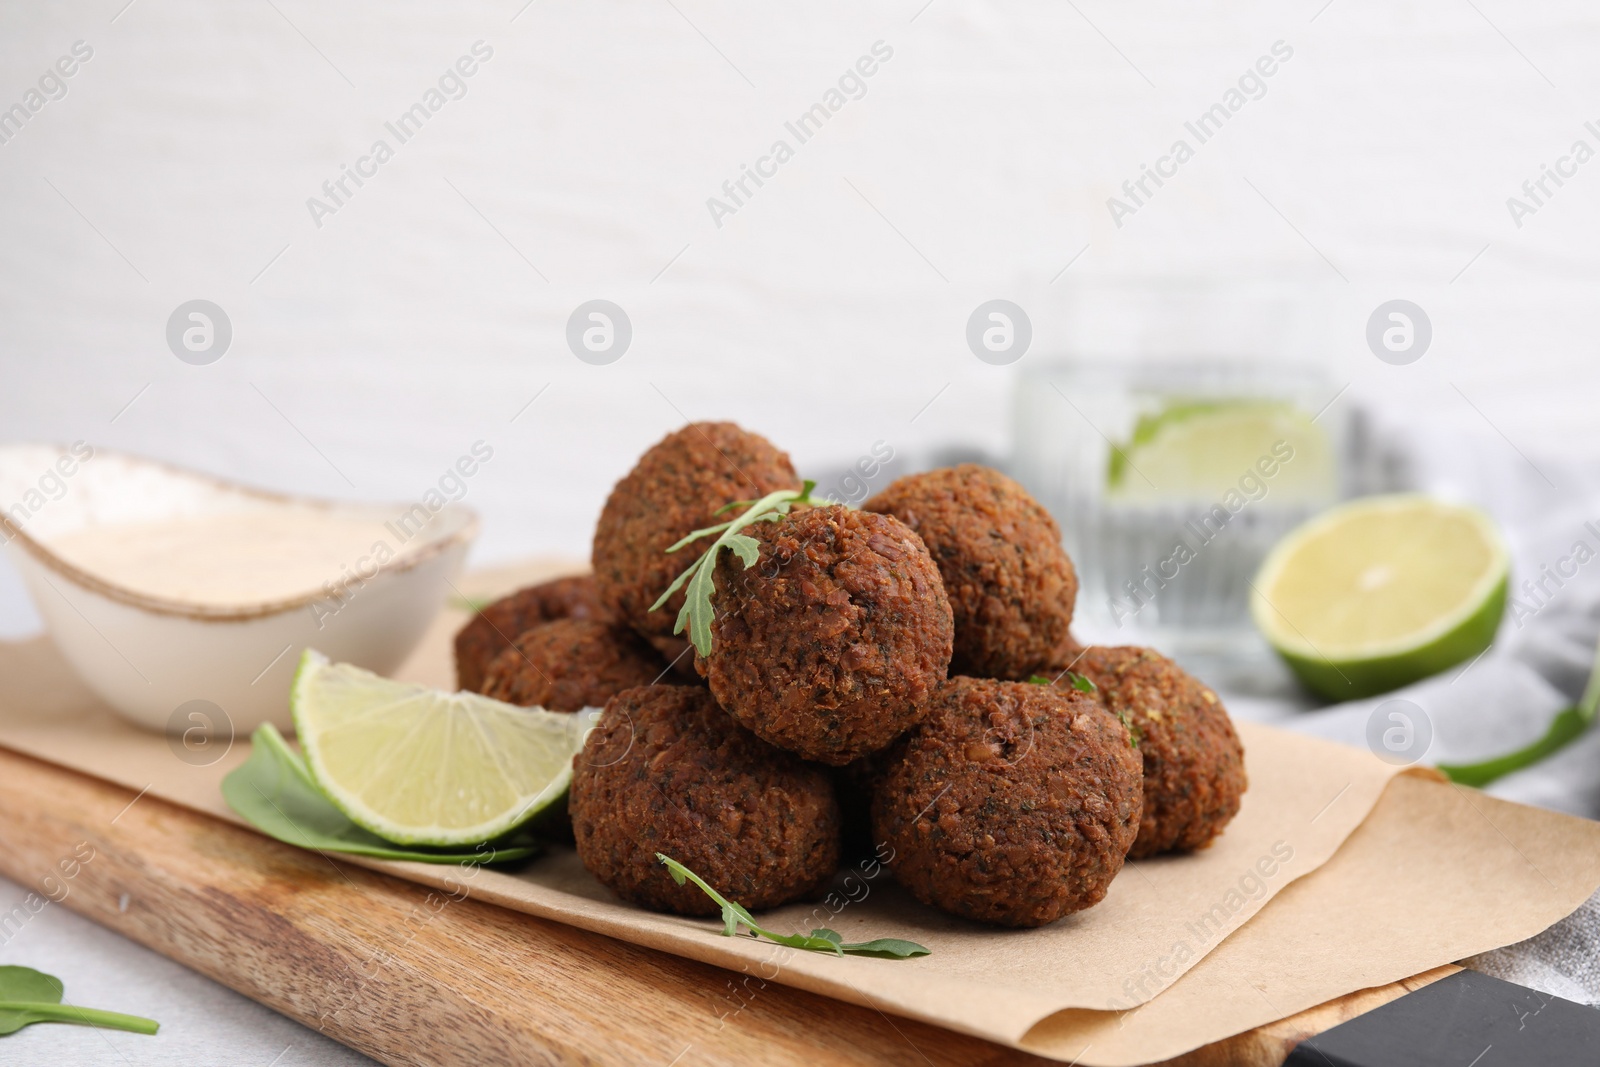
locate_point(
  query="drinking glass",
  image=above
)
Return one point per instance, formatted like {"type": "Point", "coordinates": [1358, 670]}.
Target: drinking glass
{"type": "Point", "coordinates": [1171, 479]}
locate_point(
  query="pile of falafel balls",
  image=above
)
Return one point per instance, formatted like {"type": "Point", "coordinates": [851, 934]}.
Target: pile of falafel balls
{"type": "Point", "coordinates": [897, 679]}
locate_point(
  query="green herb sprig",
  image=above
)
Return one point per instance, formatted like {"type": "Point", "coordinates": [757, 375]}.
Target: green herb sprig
{"type": "Point", "coordinates": [697, 613]}
{"type": "Point", "coordinates": [28, 996]}
{"type": "Point", "coordinates": [821, 939]}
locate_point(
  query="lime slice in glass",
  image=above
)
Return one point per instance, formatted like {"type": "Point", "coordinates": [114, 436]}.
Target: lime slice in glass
{"type": "Point", "coordinates": [1382, 592]}
{"type": "Point", "coordinates": [418, 766]}
{"type": "Point", "coordinates": [1199, 450]}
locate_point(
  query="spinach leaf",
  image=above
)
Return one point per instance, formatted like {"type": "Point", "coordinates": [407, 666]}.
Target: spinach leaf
{"type": "Point", "coordinates": [30, 996]}
{"type": "Point", "coordinates": [274, 792]}
{"type": "Point", "coordinates": [1565, 728]}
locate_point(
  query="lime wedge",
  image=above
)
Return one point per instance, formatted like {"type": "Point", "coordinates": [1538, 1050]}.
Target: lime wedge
{"type": "Point", "coordinates": [417, 766]}
{"type": "Point", "coordinates": [1381, 592]}
{"type": "Point", "coordinates": [1199, 450]}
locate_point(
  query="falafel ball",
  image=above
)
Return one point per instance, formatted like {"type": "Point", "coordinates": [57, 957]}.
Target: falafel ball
{"type": "Point", "coordinates": [1193, 762]}
{"type": "Point", "coordinates": [491, 631]}
{"type": "Point", "coordinates": [667, 771]}
{"type": "Point", "coordinates": [1012, 803]}
{"type": "Point", "coordinates": [830, 645]}
{"type": "Point", "coordinates": [571, 664]}
{"type": "Point", "coordinates": [676, 488]}
{"type": "Point", "coordinates": [1009, 581]}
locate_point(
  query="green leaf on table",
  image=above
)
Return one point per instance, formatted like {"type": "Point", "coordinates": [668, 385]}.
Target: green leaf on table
{"type": "Point", "coordinates": [1565, 728]}
{"type": "Point", "coordinates": [822, 939]}
{"type": "Point", "coordinates": [25, 983]}
{"type": "Point", "coordinates": [1568, 726]}
{"type": "Point", "coordinates": [28, 996]}
{"type": "Point", "coordinates": [273, 791]}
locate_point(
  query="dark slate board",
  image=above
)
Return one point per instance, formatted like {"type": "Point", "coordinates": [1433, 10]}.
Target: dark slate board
{"type": "Point", "coordinates": [1465, 1020]}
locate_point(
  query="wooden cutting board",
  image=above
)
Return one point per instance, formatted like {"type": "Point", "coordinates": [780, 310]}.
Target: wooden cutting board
{"type": "Point", "coordinates": [410, 977]}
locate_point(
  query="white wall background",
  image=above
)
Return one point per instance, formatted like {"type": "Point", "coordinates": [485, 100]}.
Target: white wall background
{"type": "Point", "coordinates": [829, 311]}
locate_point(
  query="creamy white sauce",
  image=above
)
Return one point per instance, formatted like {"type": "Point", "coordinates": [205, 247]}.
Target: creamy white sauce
{"type": "Point", "coordinates": [238, 558]}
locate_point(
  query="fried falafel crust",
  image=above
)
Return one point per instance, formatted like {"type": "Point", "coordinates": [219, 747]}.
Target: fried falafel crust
{"type": "Point", "coordinates": [491, 631]}
{"type": "Point", "coordinates": [1010, 583]}
{"type": "Point", "coordinates": [667, 771]}
{"type": "Point", "coordinates": [676, 488]}
{"type": "Point", "coordinates": [1012, 803]}
{"type": "Point", "coordinates": [1194, 772]}
{"type": "Point", "coordinates": [571, 664]}
{"type": "Point", "coordinates": [831, 644]}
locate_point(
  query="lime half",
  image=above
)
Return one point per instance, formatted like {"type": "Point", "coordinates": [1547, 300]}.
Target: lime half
{"type": "Point", "coordinates": [1200, 449]}
{"type": "Point", "coordinates": [1381, 592]}
{"type": "Point", "coordinates": [417, 766]}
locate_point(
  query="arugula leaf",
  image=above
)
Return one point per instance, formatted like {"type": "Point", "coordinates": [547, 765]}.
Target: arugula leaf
{"type": "Point", "coordinates": [697, 612]}
{"type": "Point", "coordinates": [885, 948]}
{"type": "Point", "coordinates": [747, 548]}
{"type": "Point", "coordinates": [274, 792]}
{"type": "Point", "coordinates": [822, 939]}
{"type": "Point", "coordinates": [28, 996]}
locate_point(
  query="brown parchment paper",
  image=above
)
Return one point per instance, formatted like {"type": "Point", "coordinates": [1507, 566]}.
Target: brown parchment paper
{"type": "Point", "coordinates": [1183, 927]}
{"type": "Point", "coordinates": [1435, 871]}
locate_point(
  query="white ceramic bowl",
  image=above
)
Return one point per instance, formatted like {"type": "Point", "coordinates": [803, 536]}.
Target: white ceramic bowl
{"type": "Point", "coordinates": [148, 656]}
